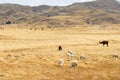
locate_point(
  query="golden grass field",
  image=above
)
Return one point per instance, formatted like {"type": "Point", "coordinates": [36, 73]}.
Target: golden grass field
{"type": "Point", "coordinates": [33, 55]}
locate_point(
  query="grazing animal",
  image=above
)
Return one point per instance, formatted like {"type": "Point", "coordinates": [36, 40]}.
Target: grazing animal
{"type": "Point", "coordinates": [60, 62]}
{"type": "Point", "coordinates": [115, 56]}
{"type": "Point", "coordinates": [82, 57]}
{"type": "Point", "coordinates": [69, 55]}
{"type": "Point", "coordinates": [74, 64]}
{"type": "Point", "coordinates": [59, 48]}
{"type": "Point", "coordinates": [104, 42]}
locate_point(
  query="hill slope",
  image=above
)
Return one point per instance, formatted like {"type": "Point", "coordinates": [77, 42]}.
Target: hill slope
{"type": "Point", "coordinates": [95, 12]}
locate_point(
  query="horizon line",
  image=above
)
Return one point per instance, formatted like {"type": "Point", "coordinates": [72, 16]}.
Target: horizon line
{"type": "Point", "coordinates": [43, 4]}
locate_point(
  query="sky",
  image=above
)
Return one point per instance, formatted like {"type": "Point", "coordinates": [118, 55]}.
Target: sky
{"type": "Point", "coordinates": [43, 2]}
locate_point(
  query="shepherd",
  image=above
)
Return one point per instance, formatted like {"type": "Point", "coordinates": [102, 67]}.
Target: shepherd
{"type": "Point", "coordinates": [59, 48]}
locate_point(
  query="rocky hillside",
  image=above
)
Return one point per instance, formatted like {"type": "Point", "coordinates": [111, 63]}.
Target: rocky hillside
{"type": "Point", "coordinates": [98, 4]}
{"type": "Point", "coordinates": [95, 12]}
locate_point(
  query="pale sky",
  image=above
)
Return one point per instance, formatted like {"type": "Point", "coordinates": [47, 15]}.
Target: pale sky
{"type": "Point", "coordinates": [43, 2]}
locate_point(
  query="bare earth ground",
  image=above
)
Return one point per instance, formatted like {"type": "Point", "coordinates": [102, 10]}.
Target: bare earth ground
{"type": "Point", "coordinates": [33, 55]}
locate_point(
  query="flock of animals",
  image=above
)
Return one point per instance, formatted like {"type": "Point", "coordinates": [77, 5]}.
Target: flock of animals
{"type": "Point", "coordinates": [74, 63]}
{"type": "Point", "coordinates": [70, 55]}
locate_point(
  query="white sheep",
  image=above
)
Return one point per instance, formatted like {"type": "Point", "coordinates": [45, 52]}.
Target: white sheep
{"type": "Point", "coordinates": [82, 57]}
{"type": "Point", "coordinates": [70, 55]}
{"type": "Point", "coordinates": [74, 64]}
{"type": "Point", "coordinates": [115, 55]}
{"type": "Point", "coordinates": [60, 62]}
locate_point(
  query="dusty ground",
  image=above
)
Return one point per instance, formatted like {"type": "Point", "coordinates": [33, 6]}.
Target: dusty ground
{"type": "Point", "coordinates": [33, 55]}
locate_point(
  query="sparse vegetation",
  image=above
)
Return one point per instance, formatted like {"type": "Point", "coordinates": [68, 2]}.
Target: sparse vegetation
{"type": "Point", "coordinates": [96, 12]}
{"type": "Point", "coordinates": [33, 55]}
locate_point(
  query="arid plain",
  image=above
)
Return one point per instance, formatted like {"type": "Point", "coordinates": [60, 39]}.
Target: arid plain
{"type": "Point", "coordinates": [32, 54]}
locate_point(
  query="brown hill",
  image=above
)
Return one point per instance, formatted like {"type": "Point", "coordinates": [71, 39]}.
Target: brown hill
{"type": "Point", "coordinates": [95, 12]}
{"type": "Point", "coordinates": [98, 4]}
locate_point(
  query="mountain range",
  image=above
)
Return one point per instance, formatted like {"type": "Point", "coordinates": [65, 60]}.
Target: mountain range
{"type": "Point", "coordinates": [95, 12]}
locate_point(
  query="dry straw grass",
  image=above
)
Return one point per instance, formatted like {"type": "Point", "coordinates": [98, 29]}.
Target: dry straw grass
{"type": "Point", "coordinates": [33, 55]}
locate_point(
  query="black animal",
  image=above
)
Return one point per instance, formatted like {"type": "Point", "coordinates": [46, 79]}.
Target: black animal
{"type": "Point", "coordinates": [104, 43]}
{"type": "Point", "coordinates": [59, 48]}
{"type": "Point", "coordinates": [8, 22]}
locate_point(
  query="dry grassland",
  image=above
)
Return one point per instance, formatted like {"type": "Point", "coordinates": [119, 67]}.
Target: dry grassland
{"type": "Point", "coordinates": [33, 55]}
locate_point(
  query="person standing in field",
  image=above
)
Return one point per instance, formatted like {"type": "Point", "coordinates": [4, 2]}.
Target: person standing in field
{"type": "Point", "coordinates": [59, 48]}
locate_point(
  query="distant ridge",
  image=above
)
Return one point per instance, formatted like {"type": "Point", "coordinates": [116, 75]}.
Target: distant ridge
{"type": "Point", "coordinates": [94, 12]}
